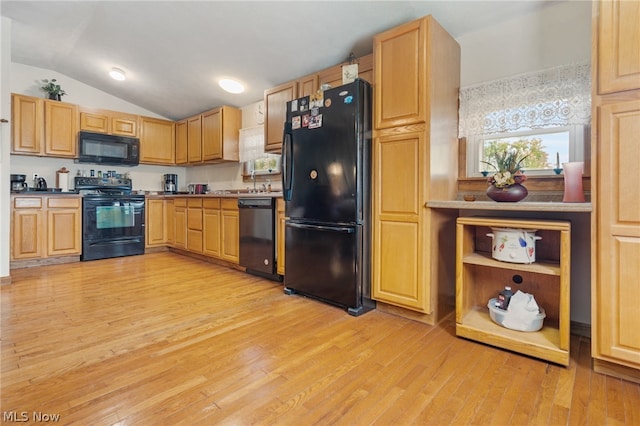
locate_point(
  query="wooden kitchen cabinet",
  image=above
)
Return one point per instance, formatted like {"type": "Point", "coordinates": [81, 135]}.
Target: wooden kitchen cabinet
{"type": "Point", "coordinates": [333, 75]}
{"type": "Point", "coordinates": [221, 134]}
{"type": "Point", "coordinates": [155, 223]}
{"type": "Point", "coordinates": [60, 129]}
{"type": "Point", "coordinates": [617, 61]}
{"type": "Point", "coordinates": [280, 235]}
{"type": "Point", "coordinates": [194, 139]}
{"type": "Point", "coordinates": [194, 225]}
{"type": "Point", "coordinates": [308, 85]}
{"type": "Point", "coordinates": [479, 278]}
{"type": "Point", "coordinates": [180, 223]}
{"type": "Point", "coordinates": [64, 226]}
{"type": "Point", "coordinates": [111, 122]}
{"type": "Point", "coordinates": [212, 236]}
{"type": "Point", "coordinates": [182, 138]}
{"type": "Point", "coordinates": [44, 127]}
{"type": "Point", "coordinates": [275, 103]}
{"type": "Point", "coordinates": [615, 249]}
{"type": "Point", "coordinates": [230, 225]}
{"type": "Point", "coordinates": [45, 227]}
{"type": "Point", "coordinates": [27, 118]}
{"type": "Point", "coordinates": [157, 141]}
{"type": "Point", "coordinates": [417, 80]}
{"type": "Point", "coordinates": [170, 224]}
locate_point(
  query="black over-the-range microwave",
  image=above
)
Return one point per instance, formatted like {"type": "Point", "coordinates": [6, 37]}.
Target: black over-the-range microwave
{"type": "Point", "coordinates": [100, 148]}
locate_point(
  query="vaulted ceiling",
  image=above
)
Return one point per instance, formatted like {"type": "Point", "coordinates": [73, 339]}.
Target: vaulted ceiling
{"type": "Point", "coordinates": [174, 52]}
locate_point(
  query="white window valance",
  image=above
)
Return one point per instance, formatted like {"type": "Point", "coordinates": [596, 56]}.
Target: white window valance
{"type": "Point", "coordinates": [559, 96]}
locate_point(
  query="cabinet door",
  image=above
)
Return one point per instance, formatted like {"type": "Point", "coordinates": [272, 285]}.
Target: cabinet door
{"type": "Point", "coordinates": [211, 232]}
{"type": "Point", "coordinates": [170, 222]}
{"type": "Point", "coordinates": [181, 142]}
{"type": "Point", "coordinates": [124, 126]}
{"type": "Point", "coordinates": [194, 139]}
{"type": "Point", "coordinates": [399, 270]}
{"type": "Point", "coordinates": [280, 236]}
{"type": "Point", "coordinates": [94, 122]}
{"type": "Point", "coordinates": [212, 135]}
{"type": "Point", "coordinates": [155, 223]}
{"type": "Point", "coordinates": [180, 220]}
{"type": "Point", "coordinates": [28, 234]}
{"type": "Point", "coordinates": [230, 223]}
{"type": "Point", "coordinates": [61, 128]}
{"type": "Point", "coordinates": [308, 85]}
{"type": "Point", "coordinates": [27, 124]}
{"type": "Point", "coordinates": [157, 141]}
{"type": "Point", "coordinates": [619, 44]}
{"type": "Point", "coordinates": [331, 76]}
{"type": "Point", "coordinates": [399, 80]}
{"type": "Point", "coordinates": [64, 231]}
{"type": "Point", "coordinates": [618, 247]}
{"type": "Point", "coordinates": [275, 102]}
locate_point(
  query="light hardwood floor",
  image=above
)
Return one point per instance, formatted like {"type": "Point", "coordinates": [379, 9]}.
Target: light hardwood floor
{"type": "Point", "coordinates": [162, 339]}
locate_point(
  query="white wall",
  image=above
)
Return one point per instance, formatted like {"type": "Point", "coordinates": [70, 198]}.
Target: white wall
{"type": "Point", "coordinates": [558, 35]}
{"type": "Point", "coordinates": [5, 141]}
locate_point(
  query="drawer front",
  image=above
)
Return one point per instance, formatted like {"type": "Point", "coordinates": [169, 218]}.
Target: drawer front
{"type": "Point", "coordinates": [28, 202]}
{"type": "Point", "coordinates": [194, 202]}
{"type": "Point", "coordinates": [229, 203]}
{"type": "Point", "coordinates": [180, 202]}
{"type": "Point", "coordinates": [211, 203]}
{"type": "Point", "coordinates": [68, 203]}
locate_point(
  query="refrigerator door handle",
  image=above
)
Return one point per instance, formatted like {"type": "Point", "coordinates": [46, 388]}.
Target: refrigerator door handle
{"type": "Point", "coordinates": [341, 229]}
{"type": "Point", "coordinates": [287, 162]}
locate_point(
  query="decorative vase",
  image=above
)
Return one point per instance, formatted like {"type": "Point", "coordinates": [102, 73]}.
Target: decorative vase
{"type": "Point", "coordinates": [573, 192]}
{"type": "Point", "coordinates": [511, 193]}
{"type": "Point", "coordinates": [55, 96]}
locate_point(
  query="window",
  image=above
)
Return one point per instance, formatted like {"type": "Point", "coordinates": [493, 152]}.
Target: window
{"type": "Point", "coordinates": [545, 113]}
{"type": "Point", "coordinates": [546, 148]}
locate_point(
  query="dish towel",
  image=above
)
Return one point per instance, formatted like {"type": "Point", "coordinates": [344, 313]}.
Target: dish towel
{"type": "Point", "coordinates": [521, 312]}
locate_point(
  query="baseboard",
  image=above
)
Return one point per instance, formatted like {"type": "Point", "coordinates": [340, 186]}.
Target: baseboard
{"type": "Point", "coordinates": [616, 370]}
{"type": "Point", "coordinates": [580, 329]}
{"type": "Point", "coordinates": [5, 280]}
{"type": "Point", "coordinates": [32, 263]}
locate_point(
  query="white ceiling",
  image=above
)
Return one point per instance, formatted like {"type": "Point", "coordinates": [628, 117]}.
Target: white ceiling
{"type": "Point", "coordinates": [175, 51]}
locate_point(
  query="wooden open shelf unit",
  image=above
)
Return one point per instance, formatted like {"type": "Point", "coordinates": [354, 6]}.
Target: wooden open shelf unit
{"type": "Point", "coordinates": [479, 278]}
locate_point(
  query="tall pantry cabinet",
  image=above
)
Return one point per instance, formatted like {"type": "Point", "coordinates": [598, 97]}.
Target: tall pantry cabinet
{"type": "Point", "coordinates": [417, 80]}
{"type": "Point", "coordinates": [616, 193]}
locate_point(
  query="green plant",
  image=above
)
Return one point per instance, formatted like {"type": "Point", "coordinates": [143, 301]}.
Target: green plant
{"type": "Point", "coordinates": [52, 88]}
{"type": "Point", "coordinates": [508, 166]}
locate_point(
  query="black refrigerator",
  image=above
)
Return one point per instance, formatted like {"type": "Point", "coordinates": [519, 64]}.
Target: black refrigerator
{"type": "Point", "coordinates": [327, 190]}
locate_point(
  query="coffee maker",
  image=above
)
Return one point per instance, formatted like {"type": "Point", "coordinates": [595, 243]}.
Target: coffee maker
{"type": "Point", "coordinates": [19, 183]}
{"type": "Point", "coordinates": [170, 184]}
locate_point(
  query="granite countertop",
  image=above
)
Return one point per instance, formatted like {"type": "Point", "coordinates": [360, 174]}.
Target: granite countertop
{"type": "Point", "coordinates": [218, 194]}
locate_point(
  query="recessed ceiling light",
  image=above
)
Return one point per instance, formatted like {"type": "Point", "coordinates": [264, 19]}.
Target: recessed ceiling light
{"type": "Point", "coordinates": [117, 74]}
{"type": "Point", "coordinates": [231, 86]}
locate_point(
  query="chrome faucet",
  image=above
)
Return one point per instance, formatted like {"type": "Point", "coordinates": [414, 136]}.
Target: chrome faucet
{"type": "Point", "coordinates": [253, 178]}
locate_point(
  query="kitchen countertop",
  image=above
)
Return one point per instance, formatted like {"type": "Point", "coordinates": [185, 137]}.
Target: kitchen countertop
{"type": "Point", "coordinates": [225, 194]}
{"type": "Point", "coordinates": [524, 206]}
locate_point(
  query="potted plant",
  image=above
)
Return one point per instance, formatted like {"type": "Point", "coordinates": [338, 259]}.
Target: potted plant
{"type": "Point", "coordinates": [53, 89]}
{"type": "Point", "coordinates": [505, 184]}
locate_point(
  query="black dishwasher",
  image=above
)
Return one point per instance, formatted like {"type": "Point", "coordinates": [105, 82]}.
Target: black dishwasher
{"type": "Point", "coordinates": [257, 236]}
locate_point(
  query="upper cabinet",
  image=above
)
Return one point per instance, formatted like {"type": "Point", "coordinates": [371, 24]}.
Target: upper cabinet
{"type": "Point", "coordinates": [111, 122]}
{"type": "Point", "coordinates": [157, 141]}
{"type": "Point", "coordinates": [194, 139]}
{"type": "Point", "coordinates": [275, 104]}
{"type": "Point", "coordinates": [276, 98]}
{"type": "Point", "coordinates": [181, 142]}
{"type": "Point", "coordinates": [221, 134]}
{"type": "Point", "coordinates": [44, 127]}
{"type": "Point", "coordinates": [618, 60]}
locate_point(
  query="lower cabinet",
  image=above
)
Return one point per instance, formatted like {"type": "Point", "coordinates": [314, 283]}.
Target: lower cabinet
{"type": "Point", "coordinates": [155, 223]}
{"type": "Point", "coordinates": [180, 223]}
{"type": "Point", "coordinates": [44, 227]}
{"type": "Point", "coordinates": [480, 277]}
{"type": "Point", "coordinates": [230, 224]}
{"type": "Point", "coordinates": [194, 225]}
{"type": "Point", "coordinates": [211, 227]}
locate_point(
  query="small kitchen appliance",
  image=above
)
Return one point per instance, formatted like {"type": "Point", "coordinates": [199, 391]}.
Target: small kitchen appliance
{"type": "Point", "coordinates": [170, 183]}
{"type": "Point", "coordinates": [19, 183]}
{"type": "Point", "coordinates": [514, 245]}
